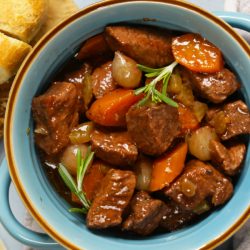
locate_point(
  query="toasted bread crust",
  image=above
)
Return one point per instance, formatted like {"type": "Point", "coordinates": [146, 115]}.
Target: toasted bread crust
{"type": "Point", "coordinates": [22, 19]}
{"type": "Point", "coordinates": [12, 53]}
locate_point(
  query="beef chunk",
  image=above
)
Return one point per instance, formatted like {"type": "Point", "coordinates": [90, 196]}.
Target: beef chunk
{"type": "Point", "coordinates": [114, 195]}
{"type": "Point", "coordinates": [198, 182]}
{"type": "Point", "coordinates": [78, 75]}
{"type": "Point", "coordinates": [116, 148]}
{"type": "Point", "coordinates": [229, 160]}
{"type": "Point", "coordinates": [215, 87]}
{"type": "Point", "coordinates": [153, 127]}
{"type": "Point", "coordinates": [230, 120]}
{"type": "Point", "coordinates": [102, 80]}
{"type": "Point", "coordinates": [146, 214]}
{"type": "Point", "coordinates": [175, 217]}
{"type": "Point", "coordinates": [147, 45]}
{"type": "Point", "coordinates": [55, 114]}
{"type": "Point", "coordinates": [93, 48]}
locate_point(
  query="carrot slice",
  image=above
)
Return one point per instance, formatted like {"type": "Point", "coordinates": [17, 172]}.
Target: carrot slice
{"type": "Point", "coordinates": [188, 120]}
{"type": "Point", "coordinates": [111, 109]}
{"type": "Point", "coordinates": [92, 180]}
{"type": "Point", "coordinates": [168, 167]}
{"type": "Point", "coordinates": [197, 54]}
{"type": "Point", "coordinates": [94, 46]}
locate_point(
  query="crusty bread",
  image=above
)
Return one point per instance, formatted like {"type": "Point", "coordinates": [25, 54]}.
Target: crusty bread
{"type": "Point", "coordinates": [12, 53]}
{"type": "Point", "coordinates": [57, 11]}
{"type": "Point", "coordinates": [22, 18]}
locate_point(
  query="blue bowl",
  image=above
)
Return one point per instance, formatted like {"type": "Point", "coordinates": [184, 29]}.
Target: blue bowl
{"type": "Point", "coordinates": [46, 206]}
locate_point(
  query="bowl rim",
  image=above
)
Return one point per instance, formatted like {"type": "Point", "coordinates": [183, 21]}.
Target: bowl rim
{"type": "Point", "coordinates": [18, 82]}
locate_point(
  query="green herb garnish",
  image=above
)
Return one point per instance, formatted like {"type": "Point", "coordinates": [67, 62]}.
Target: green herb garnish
{"type": "Point", "coordinates": [76, 187]}
{"type": "Point", "coordinates": [150, 90]}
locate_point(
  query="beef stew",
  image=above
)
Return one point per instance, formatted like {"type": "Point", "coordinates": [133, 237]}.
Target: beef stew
{"type": "Point", "coordinates": [146, 151]}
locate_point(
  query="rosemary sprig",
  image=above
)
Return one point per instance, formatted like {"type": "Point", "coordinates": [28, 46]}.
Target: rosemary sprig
{"type": "Point", "coordinates": [76, 188]}
{"type": "Point", "coordinates": [163, 74]}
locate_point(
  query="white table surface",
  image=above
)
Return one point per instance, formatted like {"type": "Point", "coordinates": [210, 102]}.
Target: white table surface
{"type": "Point", "coordinates": [15, 203]}
{"type": "Point", "coordinates": [211, 5]}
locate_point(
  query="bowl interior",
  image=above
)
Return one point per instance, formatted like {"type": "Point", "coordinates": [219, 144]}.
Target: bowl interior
{"type": "Point", "coordinates": [52, 209]}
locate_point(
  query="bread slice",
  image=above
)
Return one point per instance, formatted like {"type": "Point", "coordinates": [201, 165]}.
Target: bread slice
{"type": "Point", "coordinates": [57, 11]}
{"type": "Point", "coordinates": [22, 18]}
{"type": "Point", "coordinates": [12, 53]}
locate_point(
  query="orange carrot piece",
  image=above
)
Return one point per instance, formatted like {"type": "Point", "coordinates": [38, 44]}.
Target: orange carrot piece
{"type": "Point", "coordinates": [94, 46]}
{"type": "Point", "coordinates": [188, 120]}
{"type": "Point", "coordinates": [197, 54]}
{"type": "Point", "coordinates": [168, 167]}
{"type": "Point", "coordinates": [111, 109]}
{"type": "Point", "coordinates": [92, 180]}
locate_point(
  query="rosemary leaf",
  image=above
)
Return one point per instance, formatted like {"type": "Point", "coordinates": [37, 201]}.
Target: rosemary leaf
{"type": "Point", "coordinates": [150, 89]}
{"type": "Point", "coordinates": [79, 165]}
{"type": "Point", "coordinates": [85, 164]}
{"type": "Point", "coordinates": [143, 101]}
{"type": "Point", "coordinates": [167, 99]}
{"type": "Point", "coordinates": [68, 180]}
{"type": "Point", "coordinates": [82, 166]}
{"type": "Point", "coordinates": [152, 74]}
{"type": "Point", "coordinates": [82, 197]}
{"type": "Point", "coordinates": [140, 90]}
{"type": "Point", "coordinates": [78, 210]}
{"type": "Point", "coordinates": [165, 84]}
{"type": "Point", "coordinates": [148, 69]}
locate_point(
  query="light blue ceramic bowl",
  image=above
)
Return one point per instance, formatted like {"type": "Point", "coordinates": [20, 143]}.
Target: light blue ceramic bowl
{"type": "Point", "coordinates": [47, 57]}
